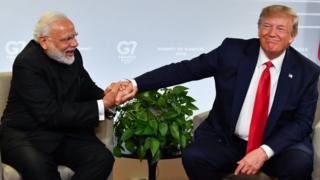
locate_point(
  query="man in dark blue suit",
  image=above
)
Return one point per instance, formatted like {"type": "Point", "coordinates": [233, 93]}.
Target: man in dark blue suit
{"type": "Point", "coordinates": [220, 145]}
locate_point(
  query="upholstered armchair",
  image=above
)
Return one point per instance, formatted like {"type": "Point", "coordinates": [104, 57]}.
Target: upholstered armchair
{"type": "Point", "coordinates": [104, 132]}
{"type": "Point", "coordinates": [261, 176]}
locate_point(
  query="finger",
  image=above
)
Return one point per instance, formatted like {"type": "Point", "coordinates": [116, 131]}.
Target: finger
{"type": "Point", "coordinates": [118, 98]}
{"type": "Point", "coordinates": [123, 97]}
{"type": "Point", "coordinates": [239, 167]}
{"type": "Point", "coordinates": [245, 169]}
{"type": "Point", "coordinates": [110, 87]}
{"type": "Point", "coordinates": [124, 85]}
{"type": "Point", "coordinates": [254, 171]}
{"type": "Point", "coordinates": [115, 87]}
{"type": "Point", "coordinates": [126, 95]}
{"type": "Point", "coordinates": [129, 95]}
{"type": "Point", "coordinates": [249, 171]}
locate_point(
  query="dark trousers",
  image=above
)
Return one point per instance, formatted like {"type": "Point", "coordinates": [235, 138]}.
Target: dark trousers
{"type": "Point", "coordinates": [210, 157]}
{"type": "Point", "coordinates": [85, 155]}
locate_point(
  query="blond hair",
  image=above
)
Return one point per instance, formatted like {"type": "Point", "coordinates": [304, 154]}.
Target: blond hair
{"type": "Point", "coordinates": [280, 10]}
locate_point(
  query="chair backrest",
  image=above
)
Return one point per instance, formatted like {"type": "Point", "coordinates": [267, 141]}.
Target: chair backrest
{"type": "Point", "coordinates": [5, 80]}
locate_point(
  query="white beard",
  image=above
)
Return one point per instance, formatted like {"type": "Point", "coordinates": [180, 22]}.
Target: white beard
{"type": "Point", "coordinates": [57, 55]}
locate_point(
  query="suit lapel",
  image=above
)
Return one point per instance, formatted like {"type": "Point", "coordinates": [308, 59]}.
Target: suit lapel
{"type": "Point", "coordinates": [285, 81]}
{"type": "Point", "coordinates": [245, 73]}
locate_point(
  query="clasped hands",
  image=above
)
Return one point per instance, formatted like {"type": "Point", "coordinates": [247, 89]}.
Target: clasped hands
{"type": "Point", "coordinates": [117, 93]}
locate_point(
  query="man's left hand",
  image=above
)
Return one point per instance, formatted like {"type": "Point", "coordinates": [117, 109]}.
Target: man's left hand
{"type": "Point", "coordinates": [251, 162]}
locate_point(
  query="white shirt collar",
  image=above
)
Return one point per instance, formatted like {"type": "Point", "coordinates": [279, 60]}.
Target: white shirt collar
{"type": "Point", "coordinates": [277, 62]}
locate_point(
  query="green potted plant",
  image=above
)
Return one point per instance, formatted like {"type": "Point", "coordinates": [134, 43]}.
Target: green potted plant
{"type": "Point", "coordinates": [155, 124]}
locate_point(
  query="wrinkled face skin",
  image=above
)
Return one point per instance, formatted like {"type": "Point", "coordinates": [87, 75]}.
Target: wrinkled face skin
{"type": "Point", "coordinates": [61, 42]}
{"type": "Point", "coordinates": [275, 34]}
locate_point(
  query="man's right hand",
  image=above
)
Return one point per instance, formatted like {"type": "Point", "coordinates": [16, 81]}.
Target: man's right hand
{"type": "Point", "coordinates": [110, 95]}
{"type": "Point", "coordinates": [252, 162]}
{"type": "Point", "coordinates": [126, 92]}
{"type": "Point", "coordinates": [118, 93]}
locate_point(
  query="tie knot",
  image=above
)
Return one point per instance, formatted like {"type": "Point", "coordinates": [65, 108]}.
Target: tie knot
{"type": "Point", "coordinates": [268, 64]}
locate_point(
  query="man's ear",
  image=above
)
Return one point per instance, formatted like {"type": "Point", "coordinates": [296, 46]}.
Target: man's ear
{"type": "Point", "coordinates": [43, 42]}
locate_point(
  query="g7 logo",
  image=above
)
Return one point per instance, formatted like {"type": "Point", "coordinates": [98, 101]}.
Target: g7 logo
{"type": "Point", "coordinates": [14, 47]}
{"type": "Point", "coordinates": [126, 48]}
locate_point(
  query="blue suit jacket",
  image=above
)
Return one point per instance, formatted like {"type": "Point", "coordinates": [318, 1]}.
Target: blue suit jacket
{"type": "Point", "coordinates": [232, 65]}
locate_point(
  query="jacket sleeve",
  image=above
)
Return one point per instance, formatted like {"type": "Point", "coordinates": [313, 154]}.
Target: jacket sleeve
{"type": "Point", "coordinates": [197, 68]}
{"type": "Point", "coordinates": [217, 61]}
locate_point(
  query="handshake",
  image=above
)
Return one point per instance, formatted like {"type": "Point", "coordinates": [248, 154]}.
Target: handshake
{"type": "Point", "coordinates": [118, 93]}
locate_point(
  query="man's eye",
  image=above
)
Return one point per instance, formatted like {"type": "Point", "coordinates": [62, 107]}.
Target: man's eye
{"type": "Point", "coordinates": [266, 25]}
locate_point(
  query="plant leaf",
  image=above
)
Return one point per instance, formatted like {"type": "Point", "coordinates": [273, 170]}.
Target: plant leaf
{"type": "Point", "coordinates": [163, 129]}
{"type": "Point", "coordinates": [153, 124]}
{"type": "Point", "coordinates": [176, 107]}
{"type": "Point", "coordinates": [139, 131]}
{"type": "Point", "coordinates": [141, 152]}
{"type": "Point", "coordinates": [147, 143]}
{"type": "Point", "coordinates": [170, 115]}
{"type": "Point", "coordinates": [155, 158]}
{"type": "Point", "coordinates": [183, 141]}
{"type": "Point", "coordinates": [192, 106]}
{"type": "Point", "coordinates": [154, 146]}
{"type": "Point", "coordinates": [179, 90]}
{"type": "Point", "coordinates": [148, 131]}
{"type": "Point", "coordinates": [190, 99]}
{"type": "Point", "coordinates": [189, 124]}
{"type": "Point", "coordinates": [146, 96]}
{"type": "Point", "coordinates": [174, 130]}
{"type": "Point", "coordinates": [130, 146]}
{"type": "Point", "coordinates": [188, 112]}
{"type": "Point", "coordinates": [117, 151]}
{"type": "Point", "coordinates": [161, 102]}
{"type": "Point", "coordinates": [127, 134]}
{"type": "Point", "coordinates": [142, 115]}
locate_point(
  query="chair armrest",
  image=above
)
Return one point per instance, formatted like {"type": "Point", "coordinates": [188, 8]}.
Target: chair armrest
{"type": "Point", "coordinates": [199, 118]}
{"type": "Point", "coordinates": [105, 133]}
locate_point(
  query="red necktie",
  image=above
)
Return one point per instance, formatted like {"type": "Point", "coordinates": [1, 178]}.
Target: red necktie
{"type": "Point", "coordinates": [260, 110]}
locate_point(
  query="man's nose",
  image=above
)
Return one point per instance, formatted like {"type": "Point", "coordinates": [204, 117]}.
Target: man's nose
{"type": "Point", "coordinates": [273, 31]}
{"type": "Point", "coordinates": [74, 42]}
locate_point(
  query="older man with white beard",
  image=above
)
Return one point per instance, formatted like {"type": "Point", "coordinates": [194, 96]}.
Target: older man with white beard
{"type": "Point", "coordinates": [53, 108]}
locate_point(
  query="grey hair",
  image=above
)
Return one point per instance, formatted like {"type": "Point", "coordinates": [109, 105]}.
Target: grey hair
{"type": "Point", "coordinates": [42, 27]}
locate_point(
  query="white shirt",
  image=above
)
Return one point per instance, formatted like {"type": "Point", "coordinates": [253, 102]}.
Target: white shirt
{"type": "Point", "coordinates": [243, 123]}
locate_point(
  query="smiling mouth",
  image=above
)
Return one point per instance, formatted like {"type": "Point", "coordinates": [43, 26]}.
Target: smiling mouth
{"type": "Point", "coordinates": [69, 52]}
{"type": "Point", "coordinates": [272, 42]}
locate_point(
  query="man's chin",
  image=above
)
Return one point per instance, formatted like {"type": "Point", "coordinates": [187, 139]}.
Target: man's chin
{"type": "Point", "coordinates": [66, 60]}
{"type": "Point", "coordinates": [69, 60]}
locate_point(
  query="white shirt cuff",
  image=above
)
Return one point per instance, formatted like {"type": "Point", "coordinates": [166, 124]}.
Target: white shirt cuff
{"type": "Point", "coordinates": [101, 110]}
{"type": "Point", "coordinates": [134, 83]}
{"type": "Point", "coordinates": [268, 150]}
